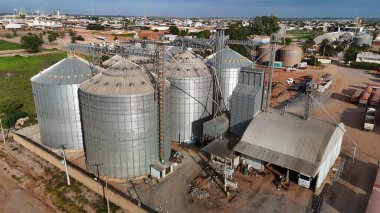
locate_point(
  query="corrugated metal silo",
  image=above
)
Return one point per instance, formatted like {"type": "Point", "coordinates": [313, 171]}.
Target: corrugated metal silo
{"type": "Point", "coordinates": [191, 92]}
{"type": "Point", "coordinates": [290, 55]}
{"type": "Point", "coordinates": [119, 112]}
{"type": "Point", "coordinates": [55, 92]}
{"type": "Point", "coordinates": [363, 39]}
{"type": "Point", "coordinates": [231, 66]}
{"type": "Point", "coordinates": [264, 53]}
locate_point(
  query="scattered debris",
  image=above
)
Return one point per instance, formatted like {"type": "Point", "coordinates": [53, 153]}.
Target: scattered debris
{"type": "Point", "coordinates": [199, 193]}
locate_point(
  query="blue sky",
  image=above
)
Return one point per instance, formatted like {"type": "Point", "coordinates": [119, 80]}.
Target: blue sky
{"type": "Point", "coordinates": [203, 8]}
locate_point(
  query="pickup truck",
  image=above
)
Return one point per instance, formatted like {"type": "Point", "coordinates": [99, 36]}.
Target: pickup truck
{"type": "Point", "coordinates": [369, 121]}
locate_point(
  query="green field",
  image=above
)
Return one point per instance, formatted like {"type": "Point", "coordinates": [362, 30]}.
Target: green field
{"type": "Point", "coordinates": [15, 74]}
{"type": "Point", "coordinates": [5, 45]}
{"type": "Point", "coordinates": [300, 34]}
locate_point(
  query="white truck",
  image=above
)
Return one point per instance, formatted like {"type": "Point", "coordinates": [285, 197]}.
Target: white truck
{"type": "Point", "coordinates": [369, 121]}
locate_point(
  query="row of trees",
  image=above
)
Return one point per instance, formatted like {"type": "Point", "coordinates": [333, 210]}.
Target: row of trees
{"type": "Point", "coordinates": [202, 34]}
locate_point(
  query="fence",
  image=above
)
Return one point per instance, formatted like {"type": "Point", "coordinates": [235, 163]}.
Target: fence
{"type": "Point", "coordinates": [113, 194]}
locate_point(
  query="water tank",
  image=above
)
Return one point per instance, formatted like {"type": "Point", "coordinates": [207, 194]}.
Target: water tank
{"type": "Point", "coordinates": [119, 112]}
{"type": "Point", "coordinates": [55, 93]}
{"type": "Point", "coordinates": [363, 39]}
{"type": "Point", "coordinates": [264, 53]}
{"type": "Point", "coordinates": [231, 65]}
{"type": "Point", "coordinates": [290, 55]}
{"type": "Point", "coordinates": [113, 60]}
{"type": "Point", "coordinates": [191, 92]}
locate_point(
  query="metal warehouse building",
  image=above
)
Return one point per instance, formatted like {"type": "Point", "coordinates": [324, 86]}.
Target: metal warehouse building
{"type": "Point", "coordinates": [307, 147]}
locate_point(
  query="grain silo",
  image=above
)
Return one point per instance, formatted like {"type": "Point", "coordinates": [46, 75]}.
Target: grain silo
{"type": "Point", "coordinates": [364, 39]}
{"type": "Point", "coordinates": [113, 60]}
{"type": "Point", "coordinates": [190, 95]}
{"type": "Point", "coordinates": [290, 55]}
{"type": "Point", "coordinates": [264, 53]}
{"type": "Point", "coordinates": [231, 65]}
{"type": "Point", "coordinates": [55, 92]}
{"type": "Point", "coordinates": [119, 112]}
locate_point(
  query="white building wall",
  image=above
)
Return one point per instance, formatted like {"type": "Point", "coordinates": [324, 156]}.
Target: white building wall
{"type": "Point", "coordinates": [326, 165]}
{"type": "Point", "coordinates": [252, 162]}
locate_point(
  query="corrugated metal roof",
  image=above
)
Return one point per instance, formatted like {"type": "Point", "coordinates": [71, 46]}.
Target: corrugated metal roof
{"type": "Point", "coordinates": [70, 70]}
{"type": "Point", "coordinates": [288, 141]}
{"type": "Point", "coordinates": [188, 66]}
{"type": "Point", "coordinates": [221, 148]}
{"type": "Point", "coordinates": [121, 79]}
{"type": "Point", "coordinates": [113, 60]}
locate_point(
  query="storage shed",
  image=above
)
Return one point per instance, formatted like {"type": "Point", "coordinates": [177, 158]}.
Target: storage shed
{"type": "Point", "coordinates": [307, 147]}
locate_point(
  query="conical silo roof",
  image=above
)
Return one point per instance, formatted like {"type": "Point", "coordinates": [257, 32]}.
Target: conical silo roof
{"type": "Point", "coordinates": [292, 47]}
{"type": "Point", "coordinates": [232, 59]}
{"type": "Point", "coordinates": [113, 60]}
{"type": "Point", "coordinates": [186, 65]}
{"type": "Point", "coordinates": [122, 79]}
{"type": "Point", "coordinates": [70, 70]}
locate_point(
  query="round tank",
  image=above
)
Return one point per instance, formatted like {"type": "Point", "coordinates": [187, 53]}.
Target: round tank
{"type": "Point", "coordinates": [264, 53]}
{"type": "Point", "coordinates": [55, 93]}
{"type": "Point", "coordinates": [363, 40]}
{"type": "Point", "coordinates": [190, 95]}
{"type": "Point", "coordinates": [290, 55]}
{"type": "Point", "coordinates": [120, 120]}
{"type": "Point", "coordinates": [231, 66]}
{"type": "Point", "coordinates": [113, 60]}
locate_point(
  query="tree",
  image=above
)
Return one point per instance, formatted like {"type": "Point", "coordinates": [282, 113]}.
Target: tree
{"type": "Point", "coordinates": [308, 43]}
{"type": "Point", "coordinates": [288, 41]}
{"type": "Point", "coordinates": [375, 34]}
{"type": "Point", "coordinates": [95, 27]}
{"type": "Point", "coordinates": [265, 25]}
{"type": "Point", "coordinates": [236, 31]}
{"type": "Point", "coordinates": [353, 50]}
{"type": "Point", "coordinates": [326, 49]}
{"type": "Point", "coordinates": [174, 30]}
{"type": "Point", "coordinates": [53, 36]}
{"type": "Point", "coordinates": [12, 110]}
{"type": "Point", "coordinates": [31, 42]}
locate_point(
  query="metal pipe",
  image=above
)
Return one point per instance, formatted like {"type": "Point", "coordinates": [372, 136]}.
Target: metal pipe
{"type": "Point", "coordinates": [64, 162]}
{"type": "Point", "coordinates": [272, 58]}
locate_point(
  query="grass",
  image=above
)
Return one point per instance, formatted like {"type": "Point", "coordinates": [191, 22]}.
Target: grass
{"type": "Point", "coordinates": [15, 74]}
{"type": "Point", "coordinates": [129, 35]}
{"type": "Point", "coordinates": [5, 45]}
{"type": "Point", "coordinates": [300, 34]}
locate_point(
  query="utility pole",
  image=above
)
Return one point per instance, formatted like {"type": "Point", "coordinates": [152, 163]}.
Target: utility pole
{"type": "Point", "coordinates": [2, 130]}
{"type": "Point", "coordinates": [97, 173]}
{"type": "Point", "coordinates": [108, 201]}
{"type": "Point", "coordinates": [63, 147]}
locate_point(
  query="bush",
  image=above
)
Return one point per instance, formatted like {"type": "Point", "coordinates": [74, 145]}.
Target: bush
{"type": "Point", "coordinates": [8, 35]}
{"type": "Point", "coordinates": [312, 60]}
{"type": "Point", "coordinates": [53, 36]}
{"type": "Point", "coordinates": [95, 27]}
{"type": "Point", "coordinates": [31, 42]}
{"type": "Point", "coordinates": [365, 65]}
